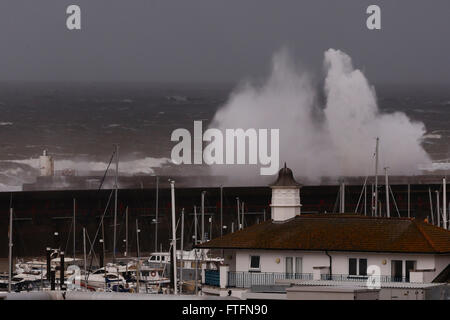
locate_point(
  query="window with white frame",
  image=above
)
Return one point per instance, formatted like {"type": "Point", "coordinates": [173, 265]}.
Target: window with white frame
{"type": "Point", "coordinates": [397, 270]}
{"type": "Point", "coordinates": [293, 265]}
{"type": "Point", "coordinates": [298, 265]}
{"type": "Point", "coordinates": [289, 266]}
{"type": "Point", "coordinates": [255, 263]}
{"type": "Point", "coordinates": [357, 267]}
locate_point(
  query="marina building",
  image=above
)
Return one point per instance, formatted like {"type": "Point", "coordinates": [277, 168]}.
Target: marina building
{"type": "Point", "coordinates": [337, 256]}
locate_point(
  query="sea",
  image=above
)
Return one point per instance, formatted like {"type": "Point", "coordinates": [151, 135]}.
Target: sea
{"type": "Point", "coordinates": [79, 123]}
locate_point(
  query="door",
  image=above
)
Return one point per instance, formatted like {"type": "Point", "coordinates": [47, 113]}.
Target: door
{"type": "Point", "coordinates": [298, 268]}
{"type": "Point", "coordinates": [397, 270]}
{"type": "Point", "coordinates": [289, 267]}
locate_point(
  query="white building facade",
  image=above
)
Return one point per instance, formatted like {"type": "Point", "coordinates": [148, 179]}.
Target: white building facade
{"type": "Point", "coordinates": [348, 250]}
{"type": "Point", "coordinates": [392, 266]}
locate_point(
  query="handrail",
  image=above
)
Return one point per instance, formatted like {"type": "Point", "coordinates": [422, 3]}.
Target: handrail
{"type": "Point", "coordinates": [247, 279]}
{"type": "Point", "coordinates": [243, 279]}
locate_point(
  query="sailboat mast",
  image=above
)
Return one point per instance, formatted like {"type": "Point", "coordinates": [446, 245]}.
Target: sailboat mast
{"type": "Point", "coordinates": [126, 232]}
{"type": "Point", "coordinates": [221, 211]}
{"type": "Point", "coordinates": [156, 218]}
{"type": "Point", "coordinates": [103, 244]}
{"type": "Point", "coordinates": [431, 207]}
{"type": "Point", "coordinates": [388, 209]}
{"type": "Point", "coordinates": [137, 240]}
{"type": "Point", "coordinates": [242, 215]}
{"type": "Point", "coordinates": [203, 216]}
{"type": "Point", "coordinates": [174, 238]}
{"type": "Point", "coordinates": [238, 214]}
{"type": "Point", "coordinates": [342, 194]}
{"type": "Point", "coordinates": [10, 249]}
{"type": "Point", "coordinates": [210, 228]}
{"type": "Point", "coordinates": [115, 203]}
{"type": "Point", "coordinates": [438, 209]}
{"type": "Point", "coordinates": [84, 254]}
{"type": "Point", "coordinates": [365, 198]}
{"type": "Point", "coordinates": [182, 250]}
{"type": "Point", "coordinates": [376, 176]}
{"type": "Point", "coordinates": [195, 225]}
{"type": "Point", "coordinates": [444, 201]}
{"type": "Point", "coordinates": [409, 202]}
{"type": "Point", "coordinates": [74, 237]}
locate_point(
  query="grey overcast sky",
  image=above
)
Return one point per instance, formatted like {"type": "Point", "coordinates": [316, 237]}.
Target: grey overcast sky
{"type": "Point", "coordinates": [219, 41]}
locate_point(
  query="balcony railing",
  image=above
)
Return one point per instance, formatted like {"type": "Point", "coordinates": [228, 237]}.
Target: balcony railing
{"type": "Point", "coordinates": [358, 278]}
{"type": "Point", "coordinates": [249, 279]}
{"type": "Point", "coordinates": [241, 279]}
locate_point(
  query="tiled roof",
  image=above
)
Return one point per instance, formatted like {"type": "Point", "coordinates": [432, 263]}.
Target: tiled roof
{"type": "Point", "coordinates": [343, 232]}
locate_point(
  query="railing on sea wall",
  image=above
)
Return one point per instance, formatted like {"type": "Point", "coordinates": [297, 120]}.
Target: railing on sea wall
{"type": "Point", "coordinates": [248, 279]}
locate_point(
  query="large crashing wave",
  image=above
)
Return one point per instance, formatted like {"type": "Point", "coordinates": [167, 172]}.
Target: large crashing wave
{"type": "Point", "coordinates": [331, 138]}
{"type": "Point", "coordinates": [14, 173]}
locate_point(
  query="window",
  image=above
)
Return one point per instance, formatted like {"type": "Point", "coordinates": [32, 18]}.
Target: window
{"type": "Point", "coordinates": [254, 263]}
{"type": "Point", "coordinates": [293, 267]}
{"type": "Point", "coordinates": [362, 267]}
{"type": "Point", "coordinates": [352, 267]}
{"type": "Point", "coordinates": [289, 267]}
{"type": "Point", "coordinates": [357, 267]}
{"type": "Point", "coordinates": [298, 265]}
{"type": "Point", "coordinates": [410, 266]}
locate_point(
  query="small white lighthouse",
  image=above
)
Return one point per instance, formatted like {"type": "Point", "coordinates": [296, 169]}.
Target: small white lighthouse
{"type": "Point", "coordinates": [285, 196]}
{"type": "Point", "coordinates": [46, 164]}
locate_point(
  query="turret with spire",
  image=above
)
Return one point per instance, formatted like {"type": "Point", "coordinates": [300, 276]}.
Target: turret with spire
{"type": "Point", "coordinates": [285, 196]}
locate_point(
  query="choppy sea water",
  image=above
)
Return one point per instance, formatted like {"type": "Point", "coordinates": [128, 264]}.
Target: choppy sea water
{"type": "Point", "coordinates": [79, 123]}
